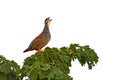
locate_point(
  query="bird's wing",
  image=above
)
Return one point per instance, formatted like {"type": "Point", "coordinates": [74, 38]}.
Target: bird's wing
{"type": "Point", "coordinates": [36, 42]}
{"type": "Point", "coordinates": [39, 42]}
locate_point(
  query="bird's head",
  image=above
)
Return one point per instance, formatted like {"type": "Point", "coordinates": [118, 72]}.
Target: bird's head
{"type": "Point", "coordinates": [47, 21]}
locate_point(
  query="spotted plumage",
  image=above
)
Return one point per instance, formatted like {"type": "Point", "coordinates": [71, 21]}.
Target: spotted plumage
{"type": "Point", "coordinates": [42, 39]}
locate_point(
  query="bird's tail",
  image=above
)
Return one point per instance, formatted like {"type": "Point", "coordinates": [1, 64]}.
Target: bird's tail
{"type": "Point", "coordinates": [26, 50]}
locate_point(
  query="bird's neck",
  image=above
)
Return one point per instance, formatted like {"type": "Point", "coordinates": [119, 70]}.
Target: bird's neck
{"type": "Point", "coordinates": [46, 28]}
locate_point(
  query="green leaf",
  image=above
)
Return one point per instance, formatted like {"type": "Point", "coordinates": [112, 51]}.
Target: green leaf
{"type": "Point", "coordinates": [50, 64]}
{"type": "Point", "coordinates": [8, 69]}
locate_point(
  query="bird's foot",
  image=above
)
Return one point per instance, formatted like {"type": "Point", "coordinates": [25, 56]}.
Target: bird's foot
{"type": "Point", "coordinates": [39, 51]}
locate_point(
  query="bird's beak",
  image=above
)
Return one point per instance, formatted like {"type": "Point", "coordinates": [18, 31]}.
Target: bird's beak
{"type": "Point", "coordinates": [49, 19]}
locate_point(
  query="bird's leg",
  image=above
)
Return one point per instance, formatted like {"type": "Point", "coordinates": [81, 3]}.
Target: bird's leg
{"type": "Point", "coordinates": [39, 50]}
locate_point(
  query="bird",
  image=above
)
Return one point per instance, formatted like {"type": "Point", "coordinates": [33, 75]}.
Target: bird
{"type": "Point", "coordinates": [42, 39]}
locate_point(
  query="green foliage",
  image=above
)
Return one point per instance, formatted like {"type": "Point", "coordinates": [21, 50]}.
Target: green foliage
{"type": "Point", "coordinates": [84, 54]}
{"type": "Point", "coordinates": [50, 64]}
{"type": "Point", "coordinates": [54, 63]}
{"type": "Point", "coordinates": [8, 69]}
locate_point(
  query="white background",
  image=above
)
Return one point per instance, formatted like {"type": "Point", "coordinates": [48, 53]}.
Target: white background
{"type": "Point", "coordinates": [87, 22]}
